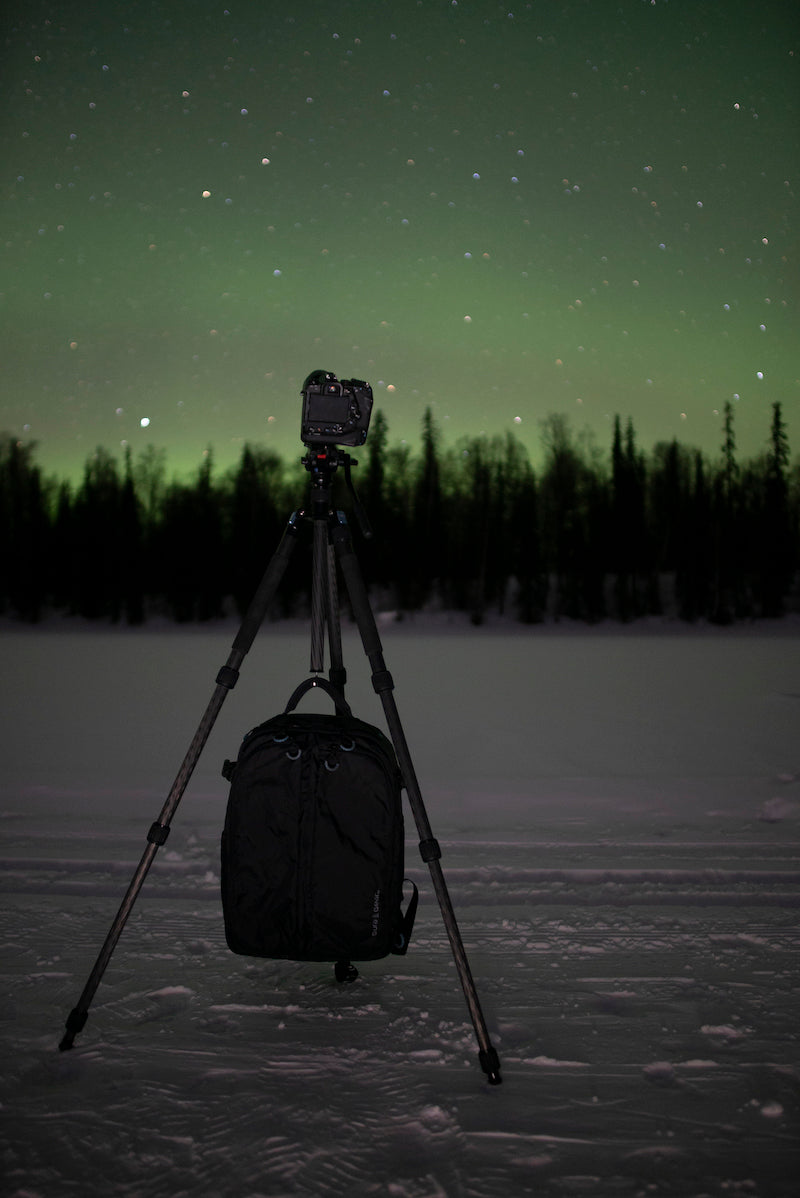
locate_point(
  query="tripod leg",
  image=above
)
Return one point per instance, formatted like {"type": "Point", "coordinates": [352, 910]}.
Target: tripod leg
{"type": "Point", "coordinates": [325, 606]}
{"type": "Point", "coordinates": [159, 831]}
{"type": "Point", "coordinates": [319, 594]}
{"type": "Point", "coordinates": [337, 672]}
{"type": "Point", "coordinates": [429, 847]}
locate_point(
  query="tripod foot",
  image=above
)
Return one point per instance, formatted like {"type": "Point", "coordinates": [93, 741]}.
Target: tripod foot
{"type": "Point", "coordinates": [345, 971]}
{"type": "Point", "coordinates": [76, 1021]}
{"type": "Point", "coordinates": [490, 1064]}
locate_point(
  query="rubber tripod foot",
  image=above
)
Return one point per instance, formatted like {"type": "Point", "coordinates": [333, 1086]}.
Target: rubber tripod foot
{"type": "Point", "coordinates": [490, 1064]}
{"type": "Point", "coordinates": [76, 1021]}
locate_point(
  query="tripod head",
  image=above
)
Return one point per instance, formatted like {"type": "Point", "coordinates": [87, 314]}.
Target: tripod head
{"type": "Point", "coordinates": [322, 463]}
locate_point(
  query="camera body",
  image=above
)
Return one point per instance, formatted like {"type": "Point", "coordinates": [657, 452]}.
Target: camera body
{"type": "Point", "coordinates": [335, 412]}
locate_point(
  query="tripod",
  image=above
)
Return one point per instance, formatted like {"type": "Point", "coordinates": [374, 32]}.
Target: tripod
{"type": "Point", "coordinates": [332, 545]}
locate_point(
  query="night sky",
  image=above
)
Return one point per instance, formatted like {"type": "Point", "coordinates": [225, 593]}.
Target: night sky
{"type": "Point", "coordinates": [500, 211]}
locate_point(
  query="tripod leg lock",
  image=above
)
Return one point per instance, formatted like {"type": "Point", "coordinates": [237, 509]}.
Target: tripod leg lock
{"type": "Point", "coordinates": [429, 850]}
{"type": "Point", "coordinates": [228, 677]}
{"type": "Point", "coordinates": [382, 681]}
{"type": "Point", "coordinates": [158, 833]}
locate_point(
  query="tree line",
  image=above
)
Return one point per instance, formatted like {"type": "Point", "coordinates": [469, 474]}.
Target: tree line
{"type": "Point", "coordinates": [471, 527]}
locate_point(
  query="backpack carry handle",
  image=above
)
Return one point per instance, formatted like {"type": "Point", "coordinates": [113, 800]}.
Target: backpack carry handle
{"type": "Point", "coordinates": [342, 706]}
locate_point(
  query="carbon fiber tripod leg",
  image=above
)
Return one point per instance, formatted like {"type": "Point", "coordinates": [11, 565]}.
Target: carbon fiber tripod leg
{"type": "Point", "coordinates": [429, 847]}
{"type": "Point", "coordinates": [159, 831]}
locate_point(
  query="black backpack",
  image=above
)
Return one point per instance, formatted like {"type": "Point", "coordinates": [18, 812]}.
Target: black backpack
{"type": "Point", "coordinates": [312, 848]}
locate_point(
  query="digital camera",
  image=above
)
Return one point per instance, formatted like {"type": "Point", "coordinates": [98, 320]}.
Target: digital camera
{"type": "Point", "coordinates": [335, 412]}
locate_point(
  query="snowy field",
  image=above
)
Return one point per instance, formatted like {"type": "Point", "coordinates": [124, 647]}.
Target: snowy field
{"type": "Point", "coordinates": [619, 812]}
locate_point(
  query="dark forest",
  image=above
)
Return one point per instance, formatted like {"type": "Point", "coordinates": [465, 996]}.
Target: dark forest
{"type": "Point", "coordinates": [590, 535]}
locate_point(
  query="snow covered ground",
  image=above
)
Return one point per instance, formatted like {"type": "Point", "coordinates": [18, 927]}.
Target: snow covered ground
{"type": "Point", "coordinates": [619, 814]}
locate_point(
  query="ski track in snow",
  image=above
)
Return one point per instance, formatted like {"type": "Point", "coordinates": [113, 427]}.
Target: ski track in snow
{"type": "Point", "coordinates": [634, 942]}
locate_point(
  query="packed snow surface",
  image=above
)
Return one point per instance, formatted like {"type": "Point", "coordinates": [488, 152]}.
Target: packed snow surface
{"type": "Point", "coordinates": [619, 817]}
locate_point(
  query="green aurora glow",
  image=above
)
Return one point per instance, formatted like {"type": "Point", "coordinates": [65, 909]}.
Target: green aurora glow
{"type": "Point", "coordinates": [500, 211]}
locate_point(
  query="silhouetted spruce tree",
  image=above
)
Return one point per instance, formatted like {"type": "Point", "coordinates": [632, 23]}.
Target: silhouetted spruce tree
{"type": "Point", "coordinates": [24, 530]}
{"type": "Point", "coordinates": [667, 487]}
{"type": "Point", "coordinates": [597, 500]}
{"type": "Point", "coordinates": [471, 530]}
{"type": "Point", "coordinates": [399, 485]}
{"type": "Point", "coordinates": [730, 467]}
{"type": "Point", "coordinates": [563, 495]}
{"type": "Point", "coordinates": [728, 594]}
{"type": "Point", "coordinates": [190, 543]}
{"type": "Point", "coordinates": [628, 528]}
{"type": "Point", "coordinates": [62, 556]}
{"type": "Point", "coordinates": [255, 523]}
{"type": "Point", "coordinates": [694, 584]}
{"type": "Point", "coordinates": [671, 496]}
{"type": "Point", "coordinates": [620, 538]}
{"type": "Point", "coordinates": [426, 519]}
{"type": "Point", "coordinates": [495, 565]}
{"type": "Point", "coordinates": [513, 477]}
{"type": "Point", "coordinates": [525, 559]}
{"type": "Point", "coordinates": [794, 522]}
{"type": "Point", "coordinates": [149, 475]}
{"type": "Point", "coordinates": [457, 566]}
{"type": "Point", "coordinates": [131, 566]}
{"type": "Point", "coordinates": [97, 544]}
{"type": "Point", "coordinates": [372, 486]}
{"type": "Point", "coordinates": [778, 549]}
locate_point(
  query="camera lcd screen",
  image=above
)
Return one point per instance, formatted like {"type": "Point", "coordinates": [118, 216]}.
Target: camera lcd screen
{"type": "Point", "coordinates": [329, 409]}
